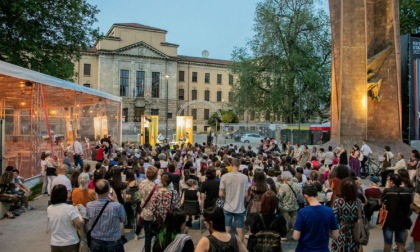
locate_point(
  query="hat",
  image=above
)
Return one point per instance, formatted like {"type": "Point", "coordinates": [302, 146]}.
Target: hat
{"type": "Point", "coordinates": [375, 180]}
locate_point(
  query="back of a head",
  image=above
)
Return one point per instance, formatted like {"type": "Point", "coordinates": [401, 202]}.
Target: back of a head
{"type": "Point", "coordinates": [342, 171]}
{"type": "Point", "coordinates": [83, 180]}
{"type": "Point", "coordinates": [348, 190]}
{"type": "Point", "coordinates": [151, 173]}
{"type": "Point", "coordinates": [216, 217]}
{"type": "Point", "coordinates": [211, 173]}
{"type": "Point", "coordinates": [269, 203]}
{"type": "Point", "coordinates": [102, 187]}
{"type": "Point", "coordinates": [166, 180]}
{"type": "Point", "coordinates": [174, 220]}
{"type": "Point", "coordinates": [310, 190]}
{"type": "Point", "coordinates": [236, 162]}
{"type": "Point", "coordinates": [59, 194]}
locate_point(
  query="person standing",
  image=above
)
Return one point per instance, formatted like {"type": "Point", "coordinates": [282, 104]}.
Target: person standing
{"type": "Point", "coordinates": [234, 189]}
{"type": "Point", "coordinates": [329, 157]}
{"type": "Point", "coordinates": [108, 233]}
{"type": "Point", "coordinates": [354, 161]}
{"type": "Point", "coordinates": [78, 153]}
{"type": "Point", "coordinates": [315, 224]}
{"type": "Point", "coordinates": [385, 164]}
{"type": "Point", "coordinates": [62, 179]}
{"type": "Point", "coordinates": [366, 151]}
{"type": "Point", "coordinates": [412, 164]}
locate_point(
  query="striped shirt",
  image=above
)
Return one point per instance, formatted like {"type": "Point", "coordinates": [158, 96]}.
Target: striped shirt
{"type": "Point", "coordinates": [108, 226]}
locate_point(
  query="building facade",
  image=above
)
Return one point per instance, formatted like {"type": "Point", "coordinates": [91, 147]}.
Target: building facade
{"type": "Point", "coordinates": [135, 62]}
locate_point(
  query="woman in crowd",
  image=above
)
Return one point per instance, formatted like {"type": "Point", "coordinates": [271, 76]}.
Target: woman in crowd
{"type": "Point", "coordinates": [397, 200]}
{"type": "Point", "coordinates": [74, 178]}
{"type": "Point", "coordinates": [268, 217]}
{"type": "Point", "coordinates": [172, 237]}
{"type": "Point", "coordinates": [82, 194]}
{"type": "Point", "coordinates": [305, 156]}
{"type": "Point", "coordinates": [354, 161]}
{"type": "Point", "coordinates": [191, 195]}
{"type": "Point", "coordinates": [51, 167]}
{"type": "Point", "coordinates": [130, 200]}
{"type": "Point", "coordinates": [164, 199]}
{"type": "Point", "coordinates": [255, 195]}
{"type": "Point", "coordinates": [118, 185]}
{"type": "Point", "coordinates": [219, 239]}
{"type": "Point", "coordinates": [97, 175]}
{"type": "Point", "coordinates": [385, 164]}
{"type": "Point", "coordinates": [341, 172]}
{"type": "Point", "coordinates": [146, 189]}
{"type": "Point", "coordinates": [210, 189]}
{"type": "Point", "coordinates": [272, 185]}
{"type": "Point", "coordinates": [44, 173]}
{"type": "Point", "coordinates": [412, 164]}
{"type": "Point", "coordinates": [346, 211]}
{"type": "Point", "coordinates": [288, 196]}
{"type": "Point", "coordinates": [63, 220]}
{"type": "Point", "coordinates": [174, 176]}
{"type": "Point", "coordinates": [342, 155]}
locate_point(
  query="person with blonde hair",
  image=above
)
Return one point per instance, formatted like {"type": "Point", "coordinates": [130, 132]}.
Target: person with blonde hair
{"type": "Point", "coordinates": [82, 194]}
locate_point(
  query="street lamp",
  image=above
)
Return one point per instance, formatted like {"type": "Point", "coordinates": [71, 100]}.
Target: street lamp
{"type": "Point", "coordinates": [167, 105]}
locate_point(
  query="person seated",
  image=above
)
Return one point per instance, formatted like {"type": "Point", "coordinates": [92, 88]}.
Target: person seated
{"type": "Point", "coordinates": [185, 138]}
{"type": "Point", "coordinates": [173, 236]}
{"type": "Point", "coordinates": [373, 195]}
{"type": "Point", "coordinates": [21, 190]}
{"type": "Point", "coordinates": [7, 194]}
{"type": "Point", "coordinates": [160, 138]}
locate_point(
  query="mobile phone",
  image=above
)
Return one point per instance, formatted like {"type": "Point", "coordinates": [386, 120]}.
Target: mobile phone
{"type": "Point", "coordinates": [111, 193]}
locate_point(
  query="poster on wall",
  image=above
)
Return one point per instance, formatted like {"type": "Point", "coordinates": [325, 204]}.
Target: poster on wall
{"type": "Point", "coordinates": [100, 125]}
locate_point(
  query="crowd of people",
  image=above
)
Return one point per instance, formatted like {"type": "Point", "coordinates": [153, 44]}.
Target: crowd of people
{"type": "Point", "coordinates": [250, 199]}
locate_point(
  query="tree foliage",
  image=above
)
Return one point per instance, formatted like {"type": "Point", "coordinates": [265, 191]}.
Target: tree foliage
{"type": "Point", "coordinates": [46, 35]}
{"type": "Point", "coordinates": [409, 16]}
{"type": "Point", "coordinates": [287, 59]}
{"type": "Point", "coordinates": [227, 117]}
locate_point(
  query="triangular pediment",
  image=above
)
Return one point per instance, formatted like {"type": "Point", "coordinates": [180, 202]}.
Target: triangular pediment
{"type": "Point", "coordinates": [141, 49]}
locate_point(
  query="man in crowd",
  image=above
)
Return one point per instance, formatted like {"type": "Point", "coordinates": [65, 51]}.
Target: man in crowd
{"type": "Point", "coordinates": [233, 188]}
{"type": "Point", "coordinates": [78, 153]}
{"type": "Point", "coordinates": [366, 151]}
{"type": "Point", "coordinates": [315, 224]}
{"type": "Point", "coordinates": [62, 179]}
{"type": "Point", "coordinates": [108, 233]}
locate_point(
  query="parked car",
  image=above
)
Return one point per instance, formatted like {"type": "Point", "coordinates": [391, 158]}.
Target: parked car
{"type": "Point", "coordinates": [238, 134]}
{"type": "Point", "coordinates": [251, 138]}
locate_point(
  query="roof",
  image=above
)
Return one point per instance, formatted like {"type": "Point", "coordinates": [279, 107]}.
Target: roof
{"type": "Point", "coordinates": [138, 26]}
{"type": "Point", "coordinates": [204, 60]}
{"type": "Point", "coordinates": [12, 76]}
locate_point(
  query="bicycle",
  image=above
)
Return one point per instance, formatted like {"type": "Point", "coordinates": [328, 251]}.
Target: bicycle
{"type": "Point", "coordinates": [370, 169]}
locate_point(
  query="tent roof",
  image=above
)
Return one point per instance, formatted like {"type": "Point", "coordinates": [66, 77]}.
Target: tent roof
{"type": "Point", "coordinates": [58, 93]}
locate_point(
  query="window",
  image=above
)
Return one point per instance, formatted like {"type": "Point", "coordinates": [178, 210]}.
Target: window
{"type": "Point", "coordinates": [230, 79]}
{"type": "Point", "coordinates": [194, 76]}
{"type": "Point", "coordinates": [154, 111]}
{"type": "Point", "coordinates": [206, 114]}
{"type": "Point", "coordinates": [155, 84]}
{"type": "Point", "coordinates": [219, 78]}
{"type": "Point", "coordinates": [138, 112]}
{"type": "Point", "coordinates": [86, 85]}
{"type": "Point", "coordinates": [207, 95]}
{"type": "Point", "coordinates": [169, 115]}
{"type": "Point", "coordinates": [86, 69]}
{"type": "Point", "coordinates": [230, 96]}
{"type": "Point", "coordinates": [219, 96]}
{"type": "Point", "coordinates": [206, 128]}
{"type": "Point", "coordinates": [181, 75]}
{"type": "Point", "coordinates": [181, 94]}
{"type": "Point", "coordinates": [194, 113]}
{"type": "Point", "coordinates": [194, 95]}
{"type": "Point", "coordinates": [195, 128]}
{"type": "Point", "coordinates": [140, 76]}
{"type": "Point", "coordinates": [124, 82]}
{"type": "Point", "coordinates": [207, 78]}
{"type": "Point", "coordinates": [125, 114]}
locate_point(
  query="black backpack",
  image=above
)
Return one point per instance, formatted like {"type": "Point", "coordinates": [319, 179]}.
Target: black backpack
{"type": "Point", "coordinates": [267, 240]}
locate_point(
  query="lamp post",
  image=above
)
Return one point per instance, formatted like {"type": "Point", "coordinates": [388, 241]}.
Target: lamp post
{"type": "Point", "coordinates": [167, 105]}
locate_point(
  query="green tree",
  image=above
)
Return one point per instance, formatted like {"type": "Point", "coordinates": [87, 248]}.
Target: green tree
{"type": "Point", "coordinates": [46, 35]}
{"type": "Point", "coordinates": [409, 16]}
{"type": "Point", "coordinates": [227, 117]}
{"type": "Point", "coordinates": [285, 69]}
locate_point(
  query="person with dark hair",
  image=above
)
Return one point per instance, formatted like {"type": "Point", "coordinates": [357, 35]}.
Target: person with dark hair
{"type": "Point", "coordinates": [346, 211]}
{"type": "Point", "coordinates": [397, 200]}
{"type": "Point", "coordinates": [342, 172]}
{"type": "Point", "coordinates": [171, 238]}
{"type": "Point", "coordinates": [315, 223]}
{"type": "Point", "coordinates": [63, 220]}
{"type": "Point", "coordinates": [254, 197]}
{"type": "Point", "coordinates": [192, 194]}
{"type": "Point", "coordinates": [210, 189]}
{"type": "Point", "coordinates": [329, 157]}
{"type": "Point", "coordinates": [354, 161]}
{"type": "Point", "coordinates": [268, 217]}
{"type": "Point", "coordinates": [272, 185]}
{"type": "Point", "coordinates": [108, 234]}
{"type": "Point", "coordinates": [219, 239]}
{"type": "Point", "coordinates": [44, 173]}
{"type": "Point", "coordinates": [117, 184]}
{"type": "Point", "coordinates": [412, 164]}
{"type": "Point", "coordinates": [174, 176]}
{"type": "Point", "coordinates": [385, 164]}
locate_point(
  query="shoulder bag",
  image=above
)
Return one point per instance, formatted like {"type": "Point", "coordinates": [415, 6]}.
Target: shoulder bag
{"type": "Point", "coordinates": [383, 213]}
{"type": "Point", "coordinates": [300, 200]}
{"type": "Point", "coordinates": [361, 228]}
{"type": "Point", "coordinates": [144, 205]}
{"type": "Point", "coordinates": [89, 233]}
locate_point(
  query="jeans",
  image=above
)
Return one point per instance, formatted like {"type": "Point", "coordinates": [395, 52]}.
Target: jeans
{"type": "Point", "coordinates": [147, 235]}
{"type": "Point", "coordinates": [106, 246]}
{"type": "Point", "coordinates": [238, 218]}
{"type": "Point", "coordinates": [389, 232]}
{"type": "Point", "coordinates": [78, 161]}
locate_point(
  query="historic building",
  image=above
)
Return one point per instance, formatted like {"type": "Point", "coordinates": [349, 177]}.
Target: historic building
{"type": "Point", "coordinates": [135, 62]}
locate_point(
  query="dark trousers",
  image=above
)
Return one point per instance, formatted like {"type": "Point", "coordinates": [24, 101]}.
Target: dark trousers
{"type": "Point", "coordinates": [148, 235]}
{"type": "Point", "coordinates": [78, 161]}
{"type": "Point", "coordinates": [384, 176]}
{"type": "Point", "coordinates": [106, 246]}
{"type": "Point", "coordinates": [69, 248]}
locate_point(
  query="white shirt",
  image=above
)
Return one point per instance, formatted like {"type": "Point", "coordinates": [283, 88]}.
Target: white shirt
{"type": "Point", "coordinates": [366, 151]}
{"type": "Point", "coordinates": [399, 165]}
{"type": "Point", "coordinates": [62, 180]}
{"type": "Point", "coordinates": [60, 219]}
{"type": "Point", "coordinates": [77, 147]}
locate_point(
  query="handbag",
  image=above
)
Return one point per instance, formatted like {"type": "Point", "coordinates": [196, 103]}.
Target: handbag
{"type": "Point", "coordinates": [361, 228]}
{"type": "Point", "coordinates": [383, 213]}
{"type": "Point", "coordinates": [89, 233]}
{"type": "Point", "coordinates": [144, 205]}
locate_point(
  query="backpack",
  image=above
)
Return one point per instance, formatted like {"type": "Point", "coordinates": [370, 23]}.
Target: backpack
{"type": "Point", "coordinates": [267, 240]}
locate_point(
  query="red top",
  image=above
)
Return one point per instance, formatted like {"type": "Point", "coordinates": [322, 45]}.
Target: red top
{"type": "Point", "coordinates": [100, 154]}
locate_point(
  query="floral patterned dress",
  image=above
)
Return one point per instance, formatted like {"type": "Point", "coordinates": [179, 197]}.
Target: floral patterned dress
{"type": "Point", "coordinates": [347, 215]}
{"type": "Point", "coordinates": [163, 201]}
